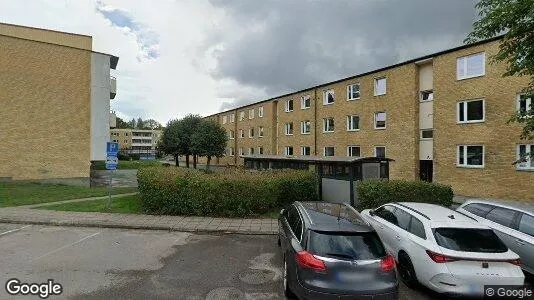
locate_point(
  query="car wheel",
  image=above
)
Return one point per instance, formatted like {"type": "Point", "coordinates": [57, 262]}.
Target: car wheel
{"type": "Point", "coordinates": [407, 271]}
{"type": "Point", "coordinates": [287, 290]}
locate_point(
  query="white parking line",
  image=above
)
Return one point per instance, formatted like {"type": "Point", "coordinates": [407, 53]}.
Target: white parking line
{"type": "Point", "coordinates": [14, 230]}
{"type": "Point", "coordinates": [66, 246]}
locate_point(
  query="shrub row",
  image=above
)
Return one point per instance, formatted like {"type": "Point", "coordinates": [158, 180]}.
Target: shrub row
{"type": "Point", "coordinates": [373, 193]}
{"type": "Point", "coordinates": [128, 156]}
{"type": "Point", "coordinates": [229, 193]}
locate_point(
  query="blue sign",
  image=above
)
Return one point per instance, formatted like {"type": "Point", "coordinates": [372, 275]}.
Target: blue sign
{"type": "Point", "coordinates": [111, 162]}
{"type": "Point", "coordinates": [112, 148]}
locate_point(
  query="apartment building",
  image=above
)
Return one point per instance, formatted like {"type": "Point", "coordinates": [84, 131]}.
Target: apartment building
{"type": "Point", "coordinates": [135, 139]}
{"type": "Point", "coordinates": [442, 118]}
{"type": "Point", "coordinates": [55, 93]}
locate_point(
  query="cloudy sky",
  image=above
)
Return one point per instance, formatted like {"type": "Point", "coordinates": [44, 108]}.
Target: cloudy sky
{"type": "Point", "coordinates": [204, 56]}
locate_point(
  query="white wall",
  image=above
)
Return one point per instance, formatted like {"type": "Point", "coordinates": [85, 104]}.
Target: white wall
{"type": "Point", "coordinates": [100, 89]}
{"type": "Point", "coordinates": [426, 77]}
{"type": "Point", "coordinates": [335, 190]}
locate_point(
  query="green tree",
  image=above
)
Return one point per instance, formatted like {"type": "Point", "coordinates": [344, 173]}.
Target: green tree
{"type": "Point", "coordinates": [140, 124]}
{"type": "Point", "coordinates": [121, 124]}
{"type": "Point", "coordinates": [209, 140]}
{"type": "Point", "coordinates": [132, 123]}
{"type": "Point", "coordinates": [152, 124]}
{"type": "Point", "coordinates": [169, 140]}
{"type": "Point", "coordinates": [514, 18]}
{"type": "Point", "coordinates": [187, 126]}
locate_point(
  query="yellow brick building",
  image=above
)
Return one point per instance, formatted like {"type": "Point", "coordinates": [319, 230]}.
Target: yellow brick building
{"type": "Point", "coordinates": [135, 139]}
{"type": "Point", "coordinates": [442, 118]}
{"type": "Point", "coordinates": [55, 93]}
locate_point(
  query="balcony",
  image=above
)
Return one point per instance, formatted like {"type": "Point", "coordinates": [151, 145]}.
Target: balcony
{"type": "Point", "coordinates": [113, 83]}
{"type": "Point", "coordinates": [141, 137]}
{"type": "Point", "coordinates": [112, 119]}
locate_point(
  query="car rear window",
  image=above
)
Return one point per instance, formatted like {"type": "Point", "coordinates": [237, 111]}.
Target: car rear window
{"type": "Point", "coordinates": [356, 246]}
{"type": "Point", "coordinates": [469, 240]}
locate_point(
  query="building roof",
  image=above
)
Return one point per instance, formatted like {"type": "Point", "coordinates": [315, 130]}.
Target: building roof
{"type": "Point", "coordinates": [414, 60]}
{"type": "Point", "coordinates": [316, 159]}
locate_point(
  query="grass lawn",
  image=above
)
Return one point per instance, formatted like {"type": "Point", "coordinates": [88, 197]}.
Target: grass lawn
{"type": "Point", "coordinates": [129, 164]}
{"type": "Point", "coordinates": [127, 204]}
{"type": "Point", "coordinates": [24, 193]}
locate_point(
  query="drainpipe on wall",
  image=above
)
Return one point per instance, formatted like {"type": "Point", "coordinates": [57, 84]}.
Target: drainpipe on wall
{"type": "Point", "coordinates": [315, 120]}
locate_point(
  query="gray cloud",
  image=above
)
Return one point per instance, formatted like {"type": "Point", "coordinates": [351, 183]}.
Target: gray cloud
{"type": "Point", "coordinates": [290, 45]}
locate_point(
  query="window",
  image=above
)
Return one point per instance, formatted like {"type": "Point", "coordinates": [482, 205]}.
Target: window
{"type": "Point", "coordinates": [328, 97]}
{"type": "Point", "coordinates": [250, 151]}
{"type": "Point", "coordinates": [305, 150]}
{"type": "Point", "coordinates": [380, 151]}
{"type": "Point", "coordinates": [288, 150]}
{"type": "Point", "coordinates": [353, 123]}
{"type": "Point", "coordinates": [295, 223]}
{"type": "Point", "coordinates": [328, 125]}
{"type": "Point", "coordinates": [241, 152]}
{"type": "Point", "coordinates": [403, 218]}
{"type": "Point", "coordinates": [526, 162]}
{"type": "Point", "coordinates": [305, 102]}
{"type": "Point", "coordinates": [231, 134]}
{"type": "Point", "coordinates": [241, 133]}
{"type": "Point", "coordinates": [339, 245]}
{"type": "Point", "coordinates": [417, 228]}
{"type": "Point", "coordinates": [260, 131]}
{"type": "Point", "coordinates": [380, 86]}
{"type": "Point", "coordinates": [126, 141]}
{"type": "Point", "coordinates": [427, 134]}
{"type": "Point", "coordinates": [231, 151]}
{"type": "Point", "coordinates": [524, 103]}
{"type": "Point", "coordinates": [469, 240]}
{"type": "Point", "coordinates": [260, 150]}
{"type": "Point", "coordinates": [126, 134]}
{"type": "Point", "coordinates": [289, 105]}
{"type": "Point", "coordinates": [353, 92]}
{"type": "Point", "coordinates": [471, 156]}
{"type": "Point", "coordinates": [478, 209]}
{"type": "Point", "coordinates": [260, 111]}
{"type": "Point", "coordinates": [251, 114]}
{"type": "Point", "coordinates": [225, 119]}
{"type": "Point", "coordinates": [305, 127]}
{"type": "Point", "coordinates": [288, 128]}
{"type": "Point", "coordinates": [353, 151]}
{"type": "Point", "coordinates": [232, 118]}
{"type": "Point", "coordinates": [387, 212]}
{"type": "Point", "coordinates": [251, 132]}
{"type": "Point", "coordinates": [380, 120]}
{"type": "Point", "coordinates": [471, 111]}
{"type": "Point", "coordinates": [526, 224]}
{"type": "Point", "coordinates": [502, 216]}
{"type": "Point", "coordinates": [242, 116]}
{"type": "Point", "coordinates": [329, 151]}
{"type": "Point", "coordinates": [470, 66]}
{"type": "Point", "coordinates": [427, 95]}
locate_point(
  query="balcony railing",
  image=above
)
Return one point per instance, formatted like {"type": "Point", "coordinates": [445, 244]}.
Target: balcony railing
{"type": "Point", "coordinates": [113, 83]}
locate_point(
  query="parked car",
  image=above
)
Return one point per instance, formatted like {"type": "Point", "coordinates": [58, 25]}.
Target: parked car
{"type": "Point", "coordinates": [512, 222]}
{"type": "Point", "coordinates": [444, 250]}
{"type": "Point", "coordinates": [329, 252]}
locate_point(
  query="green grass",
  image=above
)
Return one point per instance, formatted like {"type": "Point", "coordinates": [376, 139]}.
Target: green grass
{"type": "Point", "coordinates": [128, 164]}
{"type": "Point", "coordinates": [126, 204]}
{"type": "Point", "coordinates": [25, 193]}
{"type": "Point", "coordinates": [271, 215]}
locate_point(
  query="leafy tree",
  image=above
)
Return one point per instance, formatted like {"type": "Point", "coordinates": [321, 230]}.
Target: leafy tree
{"type": "Point", "coordinates": [209, 140]}
{"type": "Point", "coordinates": [188, 126]}
{"type": "Point", "coordinates": [514, 18]}
{"type": "Point", "coordinates": [152, 124]}
{"type": "Point", "coordinates": [169, 140]}
{"type": "Point", "coordinates": [140, 124]}
{"type": "Point", "coordinates": [121, 124]}
{"type": "Point", "coordinates": [132, 123]}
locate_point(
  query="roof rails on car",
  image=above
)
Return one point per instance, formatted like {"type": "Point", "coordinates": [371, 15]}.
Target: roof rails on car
{"type": "Point", "coordinates": [412, 209]}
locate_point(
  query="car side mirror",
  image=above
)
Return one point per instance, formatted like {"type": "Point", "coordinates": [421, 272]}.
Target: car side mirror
{"type": "Point", "coordinates": [372, 212]}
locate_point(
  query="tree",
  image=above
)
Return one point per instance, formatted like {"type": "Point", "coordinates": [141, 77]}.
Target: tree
{"type": "Point", "coordinates": [140, 124]}
{"type": "Point", "coordinates": [121, 123]}
{"type": "Point", "coordinates": [132, 123]}
{"type": "Point", "coordinates": [169, 140]}
{"type": "Point", "coordinates": [152, 124]}
{"type": "Point", "coordinates": [514, 18]}
{"type": "Point", "coordinates": [209, 140]}
{"type": "Point", "coordinates": [188, 126]}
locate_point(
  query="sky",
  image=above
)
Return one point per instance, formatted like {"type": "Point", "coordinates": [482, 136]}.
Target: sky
{"type": "Point", "coordinates": [178, 57]}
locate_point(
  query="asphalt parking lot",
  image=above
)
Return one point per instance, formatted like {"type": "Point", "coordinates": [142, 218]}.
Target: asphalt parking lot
{"type": "Point", "coordinates": [99, 263]}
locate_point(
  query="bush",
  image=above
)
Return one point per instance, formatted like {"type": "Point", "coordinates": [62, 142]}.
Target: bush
{"type": "Point", "coordinates": [229, 193]}
{"type": "Point", "coordinates": [373, 193]}
{"type": "Point", "coordinates": [135, 156]}
{"type": "Point", "coordinates": [124, 156]}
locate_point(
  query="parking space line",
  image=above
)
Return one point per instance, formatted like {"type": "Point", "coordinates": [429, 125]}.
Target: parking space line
{"type": "Point", "coordinates": [14, 230]}
{"type": "Point", "coordinates": [66, 246]}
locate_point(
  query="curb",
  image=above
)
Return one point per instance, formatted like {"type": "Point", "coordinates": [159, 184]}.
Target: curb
{"type": "Point", "coordinates": [138, 227]}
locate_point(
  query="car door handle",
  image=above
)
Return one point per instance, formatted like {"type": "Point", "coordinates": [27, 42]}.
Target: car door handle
{"type": "Point", "coordinates": [520, 242]}
{"type": "Point", "coordinates": [398, 238]}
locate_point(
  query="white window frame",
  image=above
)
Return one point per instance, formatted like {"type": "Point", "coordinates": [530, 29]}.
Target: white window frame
{"type": "Point", "coordinates": [241, 133]}
{"type": "Point", "coordinates": [241, 116]}
{"type": "Point", "coordinates": [426, 91]}
{"type": "Point", "coordinates": [224, 119]}
{"type": "Point", "coordinates": [325, 98]}
{"type": "Point", "coordinates": [350, 121]}
{"type": "Point", "coordinates": [350, 90]}
{"type": "Point", "coordinates": [302, 152]}
{"type": "Point", "coordinates": [232, 134]}
{"type": "Point", "coordinates": [303, 102]}
{"type": "Point", "coordinates": [529, 103]}
{"type": "Point", "coordinates": [232, 118]}
{"type": "Point", "coordinates": [353, 146]}
{"type": "Point", "coordinates": [251, 114]}
{"type": "Point", "coordinates": [260, 150]}
{"type": "Point", "coordinates": [424, 138]}
{"type": "Point", "coordinates": [465, 165]}
{"type": "Point", "coordinates": [287, 109]}
{"type": "Point", "coordinates": [324, 150]}
{"type": "Point", "coordinates": [231, 151]}
{"type": "Point", "coordinates": [251, 132]}
{"type": "Point", "coordinates": [376, 80]}
{"type": "Point", "coordinates": [287, 127]}
{"type": "Point", "coordinates": [260, 112]}
{"type": "Point", "coordinates": [385, 122]}
{"type": "Point", "coordinates": [463, 60]}
{"type": "Point", "coordinates": [303, 126]}
{"type": "Point", "coordinates": [385, 150]}
{"type": "Point", "coordinates": [325, 122]}
{"type": "Point", "coordinates": [260, 131]}
{"type": "Point", "coordinates": [465, 111]}
{"type": "Point", "coordinates": [241, 152]}
{"type": "Point", "coordinates": [528, 164]}
{"type": "Point", "coordinates": [286, 150]}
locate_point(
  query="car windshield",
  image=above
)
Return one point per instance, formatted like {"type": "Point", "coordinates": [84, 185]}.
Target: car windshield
{"type": "Point", "coordinates": [354, 246]}
{"type": "Point", "coordinates": [469, 240]}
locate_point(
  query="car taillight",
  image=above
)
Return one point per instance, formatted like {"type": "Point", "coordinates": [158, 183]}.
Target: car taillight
{"type": "Point", "coordinates": [308, 261]}
{"type": "Point", "coordinates": [516, 262]}
{"type": "Point", "coordinates": [387, 264]}
{"type": "Point", "coordinates": [440, 258]}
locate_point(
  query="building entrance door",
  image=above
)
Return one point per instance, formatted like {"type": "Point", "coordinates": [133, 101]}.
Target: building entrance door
{"type": "Point", "coordinates": [426, 168]}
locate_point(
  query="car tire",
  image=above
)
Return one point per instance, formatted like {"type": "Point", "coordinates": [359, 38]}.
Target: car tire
{"type": "Point", "coordinates": [287, 290]}
{"type": "Point", "coordinates": [407, 271]}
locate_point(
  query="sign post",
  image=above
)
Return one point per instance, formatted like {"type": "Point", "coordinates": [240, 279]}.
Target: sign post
{"type": "Point", "coordinates": [112, 150]}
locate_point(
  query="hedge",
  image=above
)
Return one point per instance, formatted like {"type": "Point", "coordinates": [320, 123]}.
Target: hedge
{"type": "Point", "coordinates": [229, 193]}
{"type": "Point", "coordinates": [373, 193]}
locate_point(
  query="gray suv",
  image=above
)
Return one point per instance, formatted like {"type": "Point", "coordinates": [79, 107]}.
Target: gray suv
{"type": "Point", "coordinates": [330, 252]}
